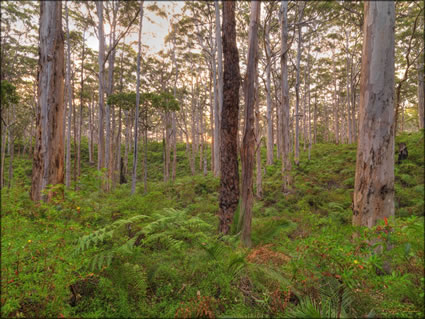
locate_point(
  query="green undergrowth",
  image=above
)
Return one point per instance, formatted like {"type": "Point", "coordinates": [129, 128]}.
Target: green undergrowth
{"type": "Point", "coordinates": [96, 254]}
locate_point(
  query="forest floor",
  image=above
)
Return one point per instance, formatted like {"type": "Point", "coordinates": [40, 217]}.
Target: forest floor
{"type": "Point", "coordinates": [158, 254]}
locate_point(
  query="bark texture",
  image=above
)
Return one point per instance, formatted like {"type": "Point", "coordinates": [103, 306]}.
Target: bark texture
{"type": "Point", "coordinates": [248, 143]}
{"type": "Point", "coordinates": [374, 181]}
{"type": "Point", "coordinates": [229, 181]}
{"type": "Point", "coordinates": [48, 163]}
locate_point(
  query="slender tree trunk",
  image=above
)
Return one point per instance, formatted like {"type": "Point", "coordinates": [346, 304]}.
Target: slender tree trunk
{"type": "Point", "coordinates": [247, 154]}
{"type": "Point", "coordinates": [101, 140]}
{"type": "Point", "coordinates": [421, 89]}
{"type": "Point", "coordinates": [309, 102]}
{"type": "Point", "coordinates": [229, 178]}
{"type": "Point", "coordinates": [219, 102]}
{"type": "Point", "coordinates": [91, 142]}
{"type": "Point", "coordinates": [374, 181]}
{"type": "Point", "coordinates": [136, 118]}
{"type": "Point", "coordinates": [173, 114]}
{"type": "Point", "coordinates": [347, 65]}
{"type": "Point", "coordinates": [269, 96]}
{"type": "Point", "coordinates": [258, 137]}
{"type": "Point", "coordinates": [285, 126]}
{"type": "Point", "coordinates": [49, 148]}
{"type": "Point", "coordinates": [11, 156]}
{"type": "Point", "coordinates": [297, 86]}
{"type": "Point", "coordinates": [69, 91]}
{"type": "Point", "coordinates": [80, 125]}
{"type": "Point", "coordinates": [74, 117]}
{"type": "Point", "coordinates": [212, 123]}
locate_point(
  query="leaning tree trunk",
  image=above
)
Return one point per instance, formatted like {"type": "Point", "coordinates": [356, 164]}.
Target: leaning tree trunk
{"type": "Point", "coordinates": [229, 180]}
{"type": "Point", "coordinates": [374, 181]}
{"type": "Point", "coordinates": [248, 144]}
{"type": "Point", "coordinates": [49, 147]}
{"type": "Point", "coordinates": [285, 125]}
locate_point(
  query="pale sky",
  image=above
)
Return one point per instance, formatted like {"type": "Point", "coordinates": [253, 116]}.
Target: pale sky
{"type": "Point", "coordinates": [153, 34]}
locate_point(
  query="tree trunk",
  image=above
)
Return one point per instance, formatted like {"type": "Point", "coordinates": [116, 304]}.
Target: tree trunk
{"type": "Point", "coordinates": [136, 118]}
{"type": "Point", "coordinates": [69, 91]}
{"type": "Point", "coordinates": [49, 148]}
{"type": "Point", "coordinates": [349, 122]}
{"type": "Point", "coordinates": [101, 140]}
{"type": "Point", "coordinates": [285, 125]}
{"type": "Point", "coordinates": [229, 178]}
{"type": "Point", "coordinates": [421, 93]}
{"type": "Point", "coordinates": [297, 86]}
{"type": "Point", "coordinates": [259, 177]}
{"type": "Point", "coordinates": [247, 153]}
{"type": "Point", "coordinates": [374, 180]}
{"type": "Point", "coordinates": [219, 105]}
{"type": "Point", "coordinates": [81, 111]}
{"type": "Point", "coordinates": [91, 148]}
{"type": "Point", "coordinates": [269, 96]}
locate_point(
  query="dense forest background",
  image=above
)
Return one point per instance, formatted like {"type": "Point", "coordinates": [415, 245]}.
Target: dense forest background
{"type": "Point", "coordinates": [140, 211]}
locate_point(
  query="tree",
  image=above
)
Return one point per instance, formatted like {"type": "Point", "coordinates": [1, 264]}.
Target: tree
{"type": "Point", "coordinates": [285, 108]}
{"type": "Point", "coordinates": [49, 148]}
{"type": "Point", "coordinates": [374, 180]}
{"type": "Point", "coordinates": [218, 107]}
{"type": "Point", "coordinates": [69, 99]}
{"type": "Point", "coordinates": [248, 146]}
{"type": "Point", "coordinates": [421, 93]}
{"type": "Point", "coordinates": [229, 173]}
{"type": "Point", "coordinates": [136, 119]}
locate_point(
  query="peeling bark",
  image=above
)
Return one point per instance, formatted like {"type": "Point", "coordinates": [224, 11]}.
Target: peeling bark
{"type": "Point", "coordinates": [49, 148]}
{"type": "Point", "coordinates": [374, 181]}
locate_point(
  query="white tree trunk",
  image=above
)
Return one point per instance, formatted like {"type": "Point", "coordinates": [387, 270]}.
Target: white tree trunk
{"type": "Point", "coordinates": [285, 107]}
{"type": "Point", "coordinates": [69, 92]}
{"type": "Point", "coordinates": [219, 106]}
{"type": "Point", "coordinates": [136, 118]}
{"type": "Point", "coordinates": [374, 181]}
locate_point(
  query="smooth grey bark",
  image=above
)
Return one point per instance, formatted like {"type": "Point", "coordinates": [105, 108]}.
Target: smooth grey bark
{"type": "Point", "coordinates": [374, 181]}
{"type": "Point", "coordinates": [285, 107]}
{"type": "Point", "coordinates": [136, 118]}
{"type": "Point", "coordinates": [69, 92]}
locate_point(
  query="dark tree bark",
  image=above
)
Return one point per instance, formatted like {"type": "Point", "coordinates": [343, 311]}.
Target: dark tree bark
{"type": "Point", "coordinates": [48, 166]}
{"type": "Point", "coordinates": [229, 181]}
